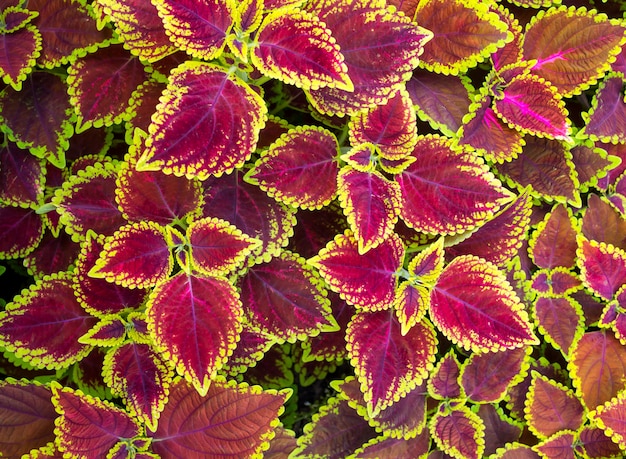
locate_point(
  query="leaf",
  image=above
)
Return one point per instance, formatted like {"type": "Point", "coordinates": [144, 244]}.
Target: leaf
{"type": "Point", "coordinates": [554, 243]}
{"type": "Point", "coordinates": [38, 117]}
{"type": "Point", "coordinates": [101, 84]}
{"type": "Point", "coordinates": [53, 254]}
{"type": "Point", "coordinates": [444, 379]}
{"type": "Point", "coordinates": [500, 239]}
{"type": "Point", "coordinates": [141, 376]}
{"type": "Point", "coordinates": [592, 164]}
{"type": "Point", "coordinates": [442, 100]}
{"type": "Point", "coordinates": [596, 444]}
{"type": "Point", "coordinates": [580, 48]}
{"type": "Point", "coordinates": [295, 47]}
{"type": "Point", "coordinates": [139, 27]}
{"type": "Point", "coordinates": [68, 29]}
{"type": "Point", "coordinates": [199, 28]}
{"type": "Point", "coordinates": [546, 165]}
{"type": "Point", "coordinates": [86, 202]}
{"type": "Point", "coordinates": [137, 256]}
{"type": "Point", "coordinates": [605, 121]}
{"type": "Point", "coordinates": [316, 228]}
{"type": "Point", "coordinates": [21, 231]}
{"type": "Point", "coordinates": [232, 421]}
{"type": "Point", "coordinates": [458, 431]}
{"type": "Point", "coordinates": [286, 299]}
{"type": "Point", "coordinates": [613, 315]}
{"type": "Point", "coordinates": [335, 432]}
{"type": "Point", "coordinates": [610, 418]}
{"type": "Point", "coordinates": [597, 366]}
{"type": "Point", "coordinates": [299, 168]}
{"type": "Point", "coordinates": [551, 407]}
{"type": "Point", "coordinates": [195, 323]}
{"type": "Point", "coordinates": [251, 210]}
{"type": "Point", "coordinates": [22, 177]}
{"type": "Point", "coordinates": [474, 306]}
{"type": "Point", "coordinates": [447, 189]}
{"type": "Point", "coordinates": [388, 364]}
{"type": "Point", "coordinates": [110, 331]}
{"type": "Point", "coordinates": [465, 34]}
{"type": "Point", "coordinates": [26, 417]}
{"type": "Point", "coordinates": [20, 50]}
{"type": "Point", "coordinates": [42, 324]}
{"type": "Point", "coordinates": [391, 127]}
{"type": "Point", "coordinates": [371, 204]}
{"type": "Point", "coordinates": [560, 320]}
{"type": "Point", "coordinates": [389, 448]}
{"type": "Point", "coordinates": [15, 18]}
{"type": "Point", "coordinates": [87, 426]}
{"type": "Point", "coordinates": [207, 123]}
{"type": "Point", "coordinates": [485, 378]}
{"type": "Point", "coordinates": [499, 428]}
{"type": "Point", "coordinates": [366, 281]}
{"type": "Point", "coordinates": [555, 283]}
{"type": "Point", "coordinates": [217, 247]}
{"type": "Point", "coordinates": [602, 267]}
{"type": "Point", "coordinates": [379, 59]}
{"type": "Point", "coordinates": [97, 296]}
{"type": "Point", "coordinates": [560, 445]}
{"type": "Point", "coordinates": [532, 105]}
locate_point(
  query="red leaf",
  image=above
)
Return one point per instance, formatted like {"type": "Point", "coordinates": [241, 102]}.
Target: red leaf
{"type": "Point", "coordinates": [388, 364]}
{"type": "Point", "coordinates": [231, 421]}
{"type": "Point", "coordinates": [21, 231]}
{"type": "Point", "coordinates": [444, 379]}
{"type": "Point", "coordinates": [602, 267]}
{"type": "Point", "coordinates": [26, 417]}
{"type": "Point", "coordinates": [366, 281]}
{"type": "Point", "coordinates": [195, 322]}
{"type": "Point", "coordinates": [458, 431]}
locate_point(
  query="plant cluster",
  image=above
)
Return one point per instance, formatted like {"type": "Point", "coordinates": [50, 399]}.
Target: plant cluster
{"type": "Point", "coordinates": [323, 228]}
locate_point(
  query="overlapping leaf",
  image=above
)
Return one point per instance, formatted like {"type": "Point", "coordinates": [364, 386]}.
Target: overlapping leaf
{"type": "Point", "coordinates": [555, 283]}
{"type": "Point", "coordinates": [21, 231]}
{"type": "Point", "coordinates": [474, 306]}
{"type": "Point", "coordinates": [21, 176]}
{"type": "Point", "coordinates": [285, 298]}
{"type": "Point", "coordinates": [42, 325]}
{"type": "Point", "coordinates": [295, 47]}
{"type": "Point", "coordinates": [231, 421]}
{"type": "Point", "coordinates": [572, 47]}
{"type": "Point", "coordinates": [602, 267]}
{"type": "Point", "coordinates": [367, 280]}
{"type": "Point", "coordinates": [20, 49]}
{"type": "Point", "coordinates": [388, 364]}
{"type": "Point", "coordinates": [447, 190]}
{"type": "Point", "coordinates": [500, 430]}
{"type": "Point", "coordinates": [53, 254]}
{"type": "Point", "coordinates": [610, 418]}
{"type": "Point", "coordinates": [560, 320]}
{"type": "Point", "coordinates": [389, 448]}
{"type": "Point", "coordinates": [554, 241]}
{"type": "Point", "coordinates": [195, 323]}
{"type": "Point", "coordinates": [299, 168]}
{"type": "Point", "coordinates": [371, 204]}
{"type": "Point", "coordinates": [465, 33]}
{"type": "Point", "coordinates": [607, 117]}
{"type": "Point", "coordinates": [458, 432]}
{"type": "Point", "coordinates": [378, 58]}
{"type": "Point", "coordinates": [207, 123]}
{"type": "Point", "coordinates": [444, 379]}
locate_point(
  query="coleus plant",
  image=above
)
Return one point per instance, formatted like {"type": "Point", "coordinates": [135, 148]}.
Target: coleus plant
{"type": "Point", "coordinates": [411, 211]}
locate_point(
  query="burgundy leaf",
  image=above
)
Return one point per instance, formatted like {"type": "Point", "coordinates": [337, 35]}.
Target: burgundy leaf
{"type": "Point", "coordinates": [21, 231]}
{"type": "Point", "coordinates": [21, 176]}
{"type": "Point", "coordinates": [606, 119]}
{"type": "Point", "coordinates": [602, 267]}
{"type": "Point", "coordinates": [444, 379]}
{"type": "Point", "coordinates": [554, 242]}
{"type": "Point", "coordinates": [52, 254]}
{"type": "Point", "coordinates": [458, 431]}
{"type": "Point", "coordinates": [20, 49]}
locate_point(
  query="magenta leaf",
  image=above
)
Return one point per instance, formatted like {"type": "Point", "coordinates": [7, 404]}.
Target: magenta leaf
{"type": "Point", "coordinates": [39, 117]}
{"type": "Point", "coordinates": [207, 123]}
{"type": "Point", "coordinates": [390, 127]}
{"type": "Point", "coordinates": [447, 189]}
{"type": "Point", "coordinates": [100, 86]}
{"type": "Point", "coordinates": [26, 417]}
{"type": "Point", "coordinates": [89, 427]}
{"type": "Point", "coordinates": [458, 431]}
{"type": "Point", "coordinates": [42, 324]}
{"type": "Point", "coordinates": [195, 323]}
{"type": "Point", "coordinates": [286, 299]}
{"type": "Point", "coordinates": [378, 59]}
{"type": "Point", "coordinates": [605, 121]}
{"type": "Point", "coordinates": [20, 49]}
{"type": "Point", "coordinates": [86, 202]}
{"type": "Point", "coordinates": [366, 281]}
{"type": "Point", "coordinates": [572, 47]}
{"type": "Point", "coordinates": [21, 176]}
{"type": "Point", "coordinates": [251, 210]}
{"type": "Point", "coordinates": [388, 364]}
{"type": "Point", "coordinates": [602, 267]}
{"type": "Point", "coordinates": [443, 382]}
{"type": "Point", "coordinates": [231, 421]}
{"type": "Point", "coordinates": [68, 29]}
{"type": "Point", "coordinates": [139, 27]}
{"type": "Point", "coordinates": [296, 47]}
{"type": "Point", "coordinates": [21, 231]}
{"type": "Point", "coordinates": [110, 331]}
{"type": "Point", "coordinates": [299, 168]}
{"type": "Point", "coordinates": [532, 105]}
{"type": "Point", "coordinates": [141, 376]}
{"type": "Point", "coordinates": [137, 256]}
{"type": "Point", "coordinates": [474, 306]}
{"type": "Point", "coordinates": [554, 242]}
{"type": "Point", "coordinates": [371, 204]}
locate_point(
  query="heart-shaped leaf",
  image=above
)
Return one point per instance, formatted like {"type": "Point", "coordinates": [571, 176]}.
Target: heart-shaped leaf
{"type": "Point", "coordinates": [367, 280]}
{"type": "Point", "coordinates": [195, 322]}
{"type": "Point", "coordinates": [207, 123]}
{"type": "Point", "coordinates": [475, 307]}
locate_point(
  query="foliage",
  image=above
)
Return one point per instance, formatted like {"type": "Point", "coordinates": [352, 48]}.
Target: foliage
{"type": "Point", "coordinates": [324, 228]}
